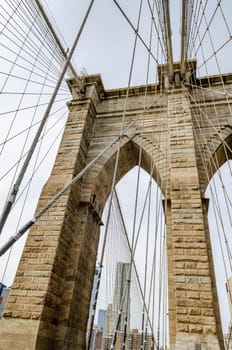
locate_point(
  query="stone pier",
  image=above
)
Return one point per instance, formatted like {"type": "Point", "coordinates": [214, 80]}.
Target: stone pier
{"type": "Point", "coordinates": [48, 305]}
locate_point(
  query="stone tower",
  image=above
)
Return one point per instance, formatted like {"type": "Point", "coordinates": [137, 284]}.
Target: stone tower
{"type": "Point", "coordinates": [48, 305]}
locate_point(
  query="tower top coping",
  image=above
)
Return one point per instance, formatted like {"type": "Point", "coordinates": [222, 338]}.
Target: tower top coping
{"type": "Point", "coordinates": [95, 79]}
{"type": "Point", "coordinates": [190, 75]}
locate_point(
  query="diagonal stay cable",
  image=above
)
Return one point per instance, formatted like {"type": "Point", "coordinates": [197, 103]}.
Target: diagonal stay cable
{"type": "Point", "coordinates": [197, 24]}
{"type": "Point", "coordinates": [6, 59]}
{"type": "Point", "coordinates": [3, 114]}
{"type": "Point", "coordinates": [40, 163]}
{"type": "Point", "coordinates": [216, 204]}
{"type": "Point", "coordinates": [216, 51]}
{"type": "Point", "coordinates": [27, 128]}
{"type": "Point", "coordinates": [26, 189]}
{"type": "Point", "coordinates": [33, 115]}
{"type": "Point", "coordinates": [205, 88]}
{"type": "Point", "coordinates": [27, 61]}
{"type": "Point", "coordinates": [56, 27]}
{"type": "Point", "coordinates": [133, 260]}
{"type": "Point", "coordinates": [13, 239]}
{"type": "Point", "coordinates": [2, 176]}
{"type": "Point", "coordinates": [55, 35]}
{"type": "Point", "coordinates": [117, 162]}
{"type": "Point", "coordinates": [135, 30]}
{"type": "Point", "coordinates": [156, 27]}
{"type": "Point", "coordinates": [210, 123]}
{"type": "Point", "coordinates": [15, 189]}
{"type": "Point", "coordinates": [37, 33]}
{"type": "Point", "coordinates": [21, 99]}
{"type": "Point", "coordinates": [55, 199]}
{"type": "Point", "coordinates": [31, 80]}
{"type": "Point", "coordinates": [37, 216]}
{"type": "Point", "coordinates": [24, 15]}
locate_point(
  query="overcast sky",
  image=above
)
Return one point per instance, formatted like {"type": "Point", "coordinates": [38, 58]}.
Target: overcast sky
{"type": "Point", "coordinates": [106, 43]}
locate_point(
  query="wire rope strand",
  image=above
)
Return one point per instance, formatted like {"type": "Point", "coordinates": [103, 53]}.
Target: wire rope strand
{"type": "Point", "coordinates": [28, 11]}
{"type": "Point", "coordinates": [32, 120]}
{"type": "Point", "coordinates": [26, 45]}
{"type": "Point", "coordinates": [27, 185]}
{"type": "Point", "coordinates": [13, 194]}
{"type": "Point", "coordinates": [131, 253]}
{"type": "Point", "coordinates": [135, 30]}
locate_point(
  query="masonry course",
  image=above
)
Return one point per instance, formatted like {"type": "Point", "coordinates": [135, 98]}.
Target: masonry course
{"type": "Point", "coordinates": [48, 306]}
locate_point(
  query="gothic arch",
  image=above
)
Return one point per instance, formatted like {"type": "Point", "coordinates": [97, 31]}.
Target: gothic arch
{"type": "Point", "coordinates": [101, 174]}
{"type": "Point", "coordinates": [220, 156]}
{"type": "Point", "coordinates": [67, 236]}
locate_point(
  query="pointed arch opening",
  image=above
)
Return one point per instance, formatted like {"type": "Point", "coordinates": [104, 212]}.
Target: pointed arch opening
{"type": "Point", "coordinates": [134, 267]}
{"type": "Point", "coordinates": [219, 194]}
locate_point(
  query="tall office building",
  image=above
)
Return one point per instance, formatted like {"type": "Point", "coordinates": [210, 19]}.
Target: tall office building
{"type": "Point", "coordinates": [121, 300]}
{"type": "Point", "coordinates": [96, 274]}
{"type": "Point", "coordinates": [94, 288]}
{"type": "Point", "coordinates": [98, 332]}
{"type": "Point", "coordinates": [101, 319]}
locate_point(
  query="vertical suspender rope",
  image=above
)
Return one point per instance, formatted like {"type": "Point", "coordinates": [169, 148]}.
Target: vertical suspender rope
{"type": "Point", "coordinates": [113, 187]}
{"type": "Point", "coordinates": [11, 199]}
{"type": "Point", "coordinates": [115, 172]}
{"type": "Point", "coordinates": [107, 225]}
{"type": "Point", "coordinates": [143, 336]}
{"type": "Point", "coordinates": [30, 223]}
{"type": "Point", "coordinates": [132, 253]}
{"type": "Point", "coordinates": [37, 216]}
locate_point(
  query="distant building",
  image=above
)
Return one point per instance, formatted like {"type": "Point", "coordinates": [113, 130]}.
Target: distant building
{"type": "Point", "coordinates": [109, 321]}
{"type": "Point", "coordinates": [4, 294]}
{"type": "Point", "coordinates": [229, 294]}
{"type": "Point", "coordinates": [96, 274]}
{"type": "Point", "coordinates": [120, 300]}
{"type": "Point", "coordinates": [98, 340]}
{"type": "Point", "coordinates": [106, 342]}
{"type": "Point", "coordinates": [228, 341]}
{"type": "Point", "coordinates": [94, 288]}
{"type": "Point", "coordinates": [97, 332]}
{"type": "Point", "coordinates": [101, 320]}
{"type": "Point", "coordinates": [133, 341]}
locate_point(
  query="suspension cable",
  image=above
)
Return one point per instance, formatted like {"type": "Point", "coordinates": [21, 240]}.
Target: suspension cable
{"type": "Point", "coordinates": [15, 188]}
{"type": "Point", "coordinates": [55, 35]}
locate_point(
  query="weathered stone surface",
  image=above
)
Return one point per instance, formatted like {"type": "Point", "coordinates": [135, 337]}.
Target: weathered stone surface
{"type": "Point", "coordinates": [48, 306]}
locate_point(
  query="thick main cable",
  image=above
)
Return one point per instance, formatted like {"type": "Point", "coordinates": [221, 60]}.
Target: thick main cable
{"type": "Point", "coordinates": [48, 22]}
{"type": "Point", "coordinates": [135, 30]}
{"type": "Point", "coordinates": [15, 188]}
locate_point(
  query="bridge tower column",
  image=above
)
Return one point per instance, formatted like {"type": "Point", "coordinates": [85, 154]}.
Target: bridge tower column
{"type": "Point", "coordinates": [49, 302]}
{"type": "Point", "coordinates": [193, 303]}
{"type": "Point", "coordinates": [48, 306]}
